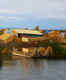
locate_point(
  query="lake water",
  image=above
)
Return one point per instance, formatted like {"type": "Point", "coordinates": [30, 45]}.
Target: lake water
{"type": "Point", "coordinates": [33, 69]}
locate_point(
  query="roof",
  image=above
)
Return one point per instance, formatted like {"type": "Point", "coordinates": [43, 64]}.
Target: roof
{"type": "Point", "coordinates": [48, 31]}
{"type": "Point", "coordinates": [27, 31]}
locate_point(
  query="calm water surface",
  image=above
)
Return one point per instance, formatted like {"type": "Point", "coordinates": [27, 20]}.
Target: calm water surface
{"type": "Point", "coordinates": [33, 69]}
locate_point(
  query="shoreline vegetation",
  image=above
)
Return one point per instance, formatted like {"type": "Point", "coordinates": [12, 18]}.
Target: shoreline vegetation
{"type": "Point", "coordinates": [53, 41]}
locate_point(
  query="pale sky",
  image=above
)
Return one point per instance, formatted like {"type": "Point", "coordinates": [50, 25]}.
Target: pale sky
{"type": "Point", "coordinates": [33, 12]}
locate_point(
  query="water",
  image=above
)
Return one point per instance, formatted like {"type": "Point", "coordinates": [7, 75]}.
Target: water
{"type": "Point", "coordinates": [33, 69]}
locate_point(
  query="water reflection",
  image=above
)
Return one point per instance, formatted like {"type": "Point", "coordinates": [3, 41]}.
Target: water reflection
{"type": "Point", "coordinates": [35, 65]}
{"type": "Point", "coordinates": [33, 69]}
{"type": "Point", "coordinates": [1, 60]}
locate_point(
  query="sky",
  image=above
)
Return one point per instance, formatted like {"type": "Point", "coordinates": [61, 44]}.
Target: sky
{"type": "Point", "coordinates": [48, 14]}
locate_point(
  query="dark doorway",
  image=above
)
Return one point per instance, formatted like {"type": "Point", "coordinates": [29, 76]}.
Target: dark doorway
{"type": "Point", "coordinates": [19, 35]}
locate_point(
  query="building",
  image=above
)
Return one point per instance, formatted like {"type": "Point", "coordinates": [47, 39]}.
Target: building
{"type": "Point", "coordinates": [22, 33]}
{"type": "Point", "coordinates": [31, 33]}
{"type": "Point", "coordinates": [31, 37]}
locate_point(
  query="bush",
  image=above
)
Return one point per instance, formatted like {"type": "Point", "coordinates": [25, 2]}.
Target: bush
{"type": "Point", "coordinates": [56, 47]}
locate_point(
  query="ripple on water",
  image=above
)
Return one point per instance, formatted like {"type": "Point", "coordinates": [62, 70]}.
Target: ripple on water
{"type": "Point", "coordinates": [33, 69]}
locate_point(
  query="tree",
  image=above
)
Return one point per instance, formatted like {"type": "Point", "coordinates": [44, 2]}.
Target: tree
{"type": "Point", "coordinates": [37, 27]}
{"type": "Point", "coordinates": [58, 50]}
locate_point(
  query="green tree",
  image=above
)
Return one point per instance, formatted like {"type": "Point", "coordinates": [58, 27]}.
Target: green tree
{"type": "Point", "coordinates": [56, 47]}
